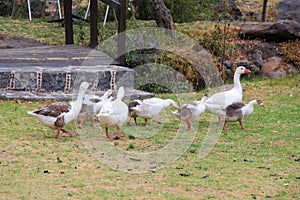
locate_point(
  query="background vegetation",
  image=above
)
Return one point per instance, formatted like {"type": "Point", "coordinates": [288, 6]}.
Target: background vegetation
{"type": "Point", "coordinates": [220, 36]}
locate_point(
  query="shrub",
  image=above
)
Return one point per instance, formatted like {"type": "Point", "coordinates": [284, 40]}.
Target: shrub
{"type": "Point", "coordinates": [181, 10]}
{"type": "Point", "coordinates": [291, 53]}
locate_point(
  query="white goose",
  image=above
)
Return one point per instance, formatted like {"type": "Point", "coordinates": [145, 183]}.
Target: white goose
{"type": "Point", "coordinates": [237, 111]}
{"type": "Point", "coordinates": [57, 115]}
{"type": "Point", "coordinates": [114, 113]}
{"type": "Point", "coordinates": [92, 105]}
{"type": "Point", "coordinates": [220, 100]}
{"type": "Point", "coordinates": [151, 108]}
{"type": "Point", "coordinates": [191, 111]}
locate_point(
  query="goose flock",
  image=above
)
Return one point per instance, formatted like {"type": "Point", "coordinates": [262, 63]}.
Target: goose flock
{"type": "Point", "coordinates": [114, 112]}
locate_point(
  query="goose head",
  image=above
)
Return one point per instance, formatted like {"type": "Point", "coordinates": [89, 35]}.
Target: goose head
{"type": "Point", "coordinates": [242, 70]}
{"type": "Point", "coordinates": [203, 99]}
{"type": "Point", "coordinates": [107, 94]}
{"type": "Point", "coordinates": [260, 103]}
{"type": "Point", "coordinates": [82, 89]}
{"type": "Point", "coordinates": [84, 86]}
{"type": "Point", "coordinates": [171, 102]}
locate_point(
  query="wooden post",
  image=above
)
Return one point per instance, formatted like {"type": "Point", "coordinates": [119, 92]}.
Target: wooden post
{"type": "Point", "coordinates": [94, 24]}
{"type": "Point", "coordinates": [68, 22]}
{"type": "Point", "coordinates": [121, 31]}
{"type": "Point", "coordinates": [264, 11]}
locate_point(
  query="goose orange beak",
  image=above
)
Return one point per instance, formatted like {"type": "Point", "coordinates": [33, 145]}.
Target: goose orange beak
{"type": "Point", "coordinates": [262, 105]}
{"type": "Point", "coordinates": [247, 71]}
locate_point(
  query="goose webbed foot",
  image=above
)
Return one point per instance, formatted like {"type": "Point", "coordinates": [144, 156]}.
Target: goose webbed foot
{"type": "Point", "coordinates": [117, 138]}
{"type": "Point", "coordinates": [242, 125]}
{"type": "Point", "coordinates": [66, 131]}
{"type": "Point", "coordinates": [63, 130]}
{"type": "Point", "coordinates": [225, 128]}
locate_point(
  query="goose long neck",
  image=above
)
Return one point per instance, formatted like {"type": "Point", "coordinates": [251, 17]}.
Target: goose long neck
{"type": "Point", "coordinates": [236, 81]}
{"type": "Point", "coordinates": [166, 103]}
{"type": "Point", "coordinates": [250, 107]}
{"type": "Point", "coordinates": [80, 95]}
{"type": "Point", "coordinates": [202, 101]}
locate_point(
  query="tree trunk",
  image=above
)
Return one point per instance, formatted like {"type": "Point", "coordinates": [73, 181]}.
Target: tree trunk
{"type": "Point", "coordinates": [163, 16]}
{"type": "Point", "coordinates": [263, 16]}
{"type": "Point", "coordinates": [18, 8]}
{"type": "Point", "coordinates": [43, 8]}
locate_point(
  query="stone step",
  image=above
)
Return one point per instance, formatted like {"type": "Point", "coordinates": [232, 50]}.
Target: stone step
{"type": "Point", "coordinates": [56, 72]}
{"type": "Point", "coordinates": [130, 94]}
{"type": "Point", "coordinates": [63, 79]}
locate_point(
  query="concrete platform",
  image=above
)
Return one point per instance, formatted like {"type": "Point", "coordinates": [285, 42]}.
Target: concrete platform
{"type": "Point", "coordinates": [55, 72]}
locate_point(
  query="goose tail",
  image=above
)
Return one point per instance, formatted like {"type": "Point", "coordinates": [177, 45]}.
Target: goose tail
{"type": "Point", "coordinates": [121, 93]}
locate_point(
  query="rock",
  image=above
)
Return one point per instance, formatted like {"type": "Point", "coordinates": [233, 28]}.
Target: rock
{"type": "Point", "coordinates": [228, 72]}
{"type": "Point", "coordinates": [279, 31]}
{"type": "Point", "coordinates": [185, 174]}
{"type": "Point", "coordinates": [257, 58]}
{"type": "Point", "coordinates": [244, 63]}
{"type": "Point", "coordinates": [8, 42]}
{"type": "Point", "coordinates": [272, 68]}
{"type": "Point", "coordinates": [143, 56]}
{"type": "Point", "coordinates": [288, 9]}
{"type": "Point", "coordinates": [266, 50]}
{"type": "Point", "coordinates": [237, 14]}
{"type": "Point", "coordinates": [227, 64]}
{"type": "Point", "coordinates": [275, 68]}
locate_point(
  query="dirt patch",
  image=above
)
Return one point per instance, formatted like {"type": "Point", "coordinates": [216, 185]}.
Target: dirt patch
{"type": "Point", "coordinates": [9, 42]}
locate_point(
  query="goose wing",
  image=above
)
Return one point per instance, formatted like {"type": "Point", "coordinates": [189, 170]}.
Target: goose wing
{"type": "Point", "coordinates": [234, 108]}
{"type": "Point", "coordinates": [54, 109]}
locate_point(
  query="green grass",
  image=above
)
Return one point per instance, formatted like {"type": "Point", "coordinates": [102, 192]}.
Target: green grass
{"type": "Point", "coordinates": [244, 164]}
{"type": "Point", "coordinates": [54, 34]}
{"type": "Point", "coordinates": [256, 163]}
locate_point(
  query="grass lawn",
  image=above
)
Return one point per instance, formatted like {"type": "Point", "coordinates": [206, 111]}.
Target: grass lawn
{"type": "Point", "coordinates": [259, 163]}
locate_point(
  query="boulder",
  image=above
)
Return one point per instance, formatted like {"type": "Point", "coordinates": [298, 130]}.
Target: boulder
{"type": "Point", "coordinates": [257, 58]}
{"type": "Point", "coordinates": [279, 31]}
{"type": "Point", "coordinates": [227, 64]}
{"type": "Point", "coordinates": [288, 10]}
{"type": "Point", "coordinates": [259, 52]}
{"type": "Point", "coordinates": [244, 63]}
{"type": "Point", "coordinates": [275, 68]}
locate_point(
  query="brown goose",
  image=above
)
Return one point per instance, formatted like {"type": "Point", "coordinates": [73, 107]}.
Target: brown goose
{"type": "Point", "coordinates": [191, 111]}
{"type": "Point", "coordinates": [237, 111]}
{"type": "Point", "coordinates": [132, 113]}
{"type": "Point", "coordinates": [59, 114]}
{"type": "Point", "coordinates": [91, 106]}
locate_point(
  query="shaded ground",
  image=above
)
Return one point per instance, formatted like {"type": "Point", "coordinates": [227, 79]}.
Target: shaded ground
{"type": "Point", "coordinates": [7, 42]}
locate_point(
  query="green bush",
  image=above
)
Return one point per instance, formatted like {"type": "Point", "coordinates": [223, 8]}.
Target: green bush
{"type": "Point", "coordinates": [191, 10]}
{"type": "Point", "coordinates": [182, 10]}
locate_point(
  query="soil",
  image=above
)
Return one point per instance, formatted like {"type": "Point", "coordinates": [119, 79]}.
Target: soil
{"type": "Point", "coordinates": [7, 42]}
